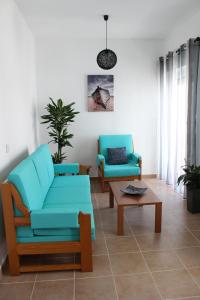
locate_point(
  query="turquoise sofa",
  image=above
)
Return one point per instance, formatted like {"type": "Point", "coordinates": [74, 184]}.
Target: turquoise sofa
{"type": "Point", "coordinates": [53, 202]}
{"type": "Point", "coordinates": [129, 171]}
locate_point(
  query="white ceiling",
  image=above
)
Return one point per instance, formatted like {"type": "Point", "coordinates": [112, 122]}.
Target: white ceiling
{"type": "Point", "coordinates": [128, 18]}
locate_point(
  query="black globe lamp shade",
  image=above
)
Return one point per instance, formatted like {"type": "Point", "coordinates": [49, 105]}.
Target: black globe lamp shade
{"type": "Point", "coordinates": [106, 59]}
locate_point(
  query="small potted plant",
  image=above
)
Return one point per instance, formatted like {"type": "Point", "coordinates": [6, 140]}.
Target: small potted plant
{"type": "Point", "coordinates": [191, 179]}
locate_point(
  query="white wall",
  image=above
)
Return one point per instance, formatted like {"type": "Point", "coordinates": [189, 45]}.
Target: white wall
{"type": "Point", "coordinates": [17, 92]}
{"type": "Point", "coordinates": [189, 28]}
{"type": "Point", "coordinates": [62, 69]}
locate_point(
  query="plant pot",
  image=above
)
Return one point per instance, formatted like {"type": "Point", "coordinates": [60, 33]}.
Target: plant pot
{"type": "Point", "coordinates": [193, 200]}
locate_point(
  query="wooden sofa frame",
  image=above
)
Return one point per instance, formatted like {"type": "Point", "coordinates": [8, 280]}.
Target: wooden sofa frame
{"type": "Point", "coordinates": [104, 180]}
{"type": "Point", "coordinates": [10, 196]}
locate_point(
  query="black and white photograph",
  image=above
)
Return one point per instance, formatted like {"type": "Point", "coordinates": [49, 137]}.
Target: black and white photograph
{"type": "Point", "coordinates": [100, 93]}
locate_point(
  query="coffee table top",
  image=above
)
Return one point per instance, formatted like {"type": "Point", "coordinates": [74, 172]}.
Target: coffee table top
{"type": "Point", "coordinates": [127, 200]}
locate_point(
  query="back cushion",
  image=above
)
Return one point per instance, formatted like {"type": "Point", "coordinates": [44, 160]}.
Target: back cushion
{"type": "Point", "coordinates": [115, 141]}
{"type": "Point", "coordinates": [117, 156]}
{"type": "Point", "coordinates": [44, 167]}
{"type": "Point", "coordinates": [26, 180]}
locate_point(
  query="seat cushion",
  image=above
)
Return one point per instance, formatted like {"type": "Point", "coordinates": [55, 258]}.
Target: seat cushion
{"type": "Point", "coordinates": [51, 238]}
{"type": "Point", "coordinates": [67, 195]}
{"type": "Point", "coordinates": [85, 208]}
{"type": "Point", "coordinates": [58, 234]}
{"type": "Point", "coordinates": [115, 141]}
{"type": "Point", "coordinates": [121, 170]}
{"type": "Point", "coordinates": [73, 181]}
{"type": "Point", "coordinates": [25, 179]}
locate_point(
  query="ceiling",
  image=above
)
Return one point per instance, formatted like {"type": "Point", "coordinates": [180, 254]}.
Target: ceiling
{"type": "Point", "coordinates": [128, 18]}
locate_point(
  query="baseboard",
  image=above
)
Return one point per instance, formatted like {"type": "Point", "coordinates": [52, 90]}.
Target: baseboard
{"type": "Point", "coordinates": [150, 176]}
{"type": "Point", "coordinates": [143, 176]}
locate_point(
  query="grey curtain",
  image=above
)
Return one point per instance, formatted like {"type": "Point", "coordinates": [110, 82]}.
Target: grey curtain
{"type": "Point", "coordinates": [173, 111]}
{"type": "Point", "coordinates": [161, 64]}
{"type": "Point", "coordinates": [169, 84]}
{"type": "Point", "coordinates": [193, 121]}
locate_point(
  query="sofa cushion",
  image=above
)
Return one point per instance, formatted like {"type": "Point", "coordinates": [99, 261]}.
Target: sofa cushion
{"type": "Point", "coordinates": [115, 141]}
{"type": "Point", "coordinates": [73, 181]}
{"type": "Point", "coordinates": [62, 216]}
{"type": "Point", "coordinates": [69, 232]}
{"type": "Point", "coordinates": [121, 170]}
{"type": "Point", "coordinates": [24, 231]}
{"type": "Point", "coordinates": [67, 195]}
{"type": "Point", "coordinates": [44, 167]}
{"type": "Point", "coordinates": [52, 238]}
{"type": "Point", "coordinates": [26, 180]}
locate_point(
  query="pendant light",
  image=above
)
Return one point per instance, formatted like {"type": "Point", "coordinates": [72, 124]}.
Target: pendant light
{"type": "Point", "coordinates": [106, 59]}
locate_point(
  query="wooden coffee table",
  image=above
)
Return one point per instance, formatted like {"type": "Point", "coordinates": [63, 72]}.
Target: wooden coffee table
{"type": "Point", "coordinates": [123, 200]}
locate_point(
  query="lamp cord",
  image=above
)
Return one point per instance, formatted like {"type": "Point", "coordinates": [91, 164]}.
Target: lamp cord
{"type": "Point", "coordinates": [106, 34]}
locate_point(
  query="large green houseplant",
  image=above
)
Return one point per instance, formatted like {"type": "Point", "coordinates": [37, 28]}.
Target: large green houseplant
{"type": "Point", "coordinates": [191, 179]}
{"type": "Point", "coordinates": [59, 117]}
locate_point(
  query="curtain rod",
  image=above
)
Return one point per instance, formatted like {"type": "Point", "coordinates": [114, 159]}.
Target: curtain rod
{"type": "Point", "coordinates": [181, 48]}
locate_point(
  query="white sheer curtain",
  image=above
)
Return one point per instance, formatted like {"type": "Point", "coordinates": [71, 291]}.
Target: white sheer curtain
{"type": "Point", "coordinates": [173, 116]}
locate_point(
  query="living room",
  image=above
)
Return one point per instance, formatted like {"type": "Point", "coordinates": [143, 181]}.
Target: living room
{"type": "Point", "coordinates": [49, 50]}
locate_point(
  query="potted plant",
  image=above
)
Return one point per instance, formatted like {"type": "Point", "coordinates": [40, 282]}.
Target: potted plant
{"type": "Point", "coordinates": [191, 179]}
{"type": "Point", "coordinates": [59, 117]}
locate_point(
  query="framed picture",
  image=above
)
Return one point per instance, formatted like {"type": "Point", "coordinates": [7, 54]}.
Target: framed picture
{"type": "Point", "coordinates": [100, 93]}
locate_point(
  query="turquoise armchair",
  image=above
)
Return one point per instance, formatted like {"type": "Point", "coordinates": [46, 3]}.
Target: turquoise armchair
{"type": "Point", "coordinates": [129, 171]}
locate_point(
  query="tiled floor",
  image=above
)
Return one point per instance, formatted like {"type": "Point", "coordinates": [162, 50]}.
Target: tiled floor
{"type": "Point", "coordinates": [141, 265]}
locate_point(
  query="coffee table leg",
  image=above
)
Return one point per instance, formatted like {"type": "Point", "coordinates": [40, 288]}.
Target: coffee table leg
{"type": "Point", "coordinates": [158, 217]}
{"type": "Point", "coordinates": [120, 220]}
{"type": "Point", "coordinates": [111, 197]}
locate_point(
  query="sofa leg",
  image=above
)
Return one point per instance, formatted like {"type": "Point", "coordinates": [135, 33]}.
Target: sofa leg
{"type": "Point", "coordinates": [14, 263]}
{"type": "Point", "coordinates": [86, 242]}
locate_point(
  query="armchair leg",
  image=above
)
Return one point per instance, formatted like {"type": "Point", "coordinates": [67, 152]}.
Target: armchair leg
{"type": "Point", "coordinates": [102, 184]}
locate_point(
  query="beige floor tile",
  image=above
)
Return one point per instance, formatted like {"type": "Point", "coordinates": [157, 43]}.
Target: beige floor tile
{"type": "Point", "coordinates": [136, 287]}
{"type": "Point", "coordinates": [182, 239]}
{"type": "Point", "coordinates": [16, 291]}
{"type": "Point", "coordinates": [193, 223]}
{"type": "Point", "coordinates": [110, 230]}
{"type": "Point", "coordinates": [189, 256]}
{"type": "Point", "coordinates": [162, 260]}
{"type": "Point", "coordinates": [95, 289]}
{"type": "Point", "coordinates": [196, 234]}
{"type": "Point", "coordinates": [54, 290]}
{"type": "Point", "coordinates": [99, 247]}
{"type": "Point", "coordinates": [26, 277]}
{"type": "Point", "coordinates": [55, 275]}
{"type": "Point", "coordinates": [121, 244]}
{"type": "Point", "coordinates": [101, 267]}
{"type": "Point", "coordinates": [127, 263]}
{"type": "Point", "coordinates": [153, 241]}
{"type": "Point", "coordinates": [189, 298]}
{"type": "Point", "coordinates": [142, 228]}
{"type": "Point", "coordinates": [170, 228]}
{"type": "Point", "coordinates": [195, 274]}
{"type": "Point", "coordinates": [175, 284]}
{"type": "Point", "coordinates": [99, 233]}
